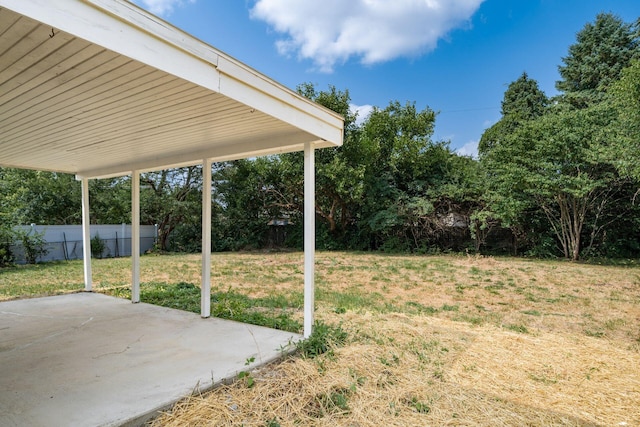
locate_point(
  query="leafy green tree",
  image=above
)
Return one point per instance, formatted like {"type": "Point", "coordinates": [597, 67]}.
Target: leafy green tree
{"type": "Point", "coordinates": [555, 163]}
{"type": "Point", "coordinates": [170, 198]}
{"type": "Point", "coordinates": [6, 240]}
{"type": "Point", "coordinates": [602, 50]}
{"type": "Point", "coordinates": [625, 97]}
{"type": "Point", "coordinates": [244, 196]}
{"type": "Point", "coordinates": [396, 136]}
{"type": "Point", "coordinates": [28, 196]}
{"type": "Point", "coordinates": [110, 200]}
{"type": "Point", "coordinates": [340, 170]}
{"type": "Point", "coordinates": [523, 102]}
{"type": "Point", "coordinates": [419, 194]}
{"type": "Point", "coordinates": [339, 178]}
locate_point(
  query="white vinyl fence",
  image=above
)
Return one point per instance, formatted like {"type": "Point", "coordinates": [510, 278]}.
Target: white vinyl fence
{"type": "Point", "coordinates": [64, 242]}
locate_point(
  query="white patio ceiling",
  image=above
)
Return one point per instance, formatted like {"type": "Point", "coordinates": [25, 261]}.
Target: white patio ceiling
{"type": "Point", "coordinates": [101, 88]}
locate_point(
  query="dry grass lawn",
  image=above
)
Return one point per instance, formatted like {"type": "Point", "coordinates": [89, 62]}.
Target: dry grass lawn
{"type": "Point", "coordinates": [432, 340]}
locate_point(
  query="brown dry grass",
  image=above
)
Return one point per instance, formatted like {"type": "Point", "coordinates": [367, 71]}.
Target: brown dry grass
{"type": "Point", "coordinates": [401, 370]}
{"type": "Point", "coordinates": [448, 340]}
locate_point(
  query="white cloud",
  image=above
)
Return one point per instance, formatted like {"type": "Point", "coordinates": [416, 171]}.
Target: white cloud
{"type": "Point", "coordinates": [469, 149]}
{"type": "Point", "coordinates": [163, 7]}
{"type": "Point", "coordinates": [362, 112]}
{"type": "Point", "coordinates": [330, 32]}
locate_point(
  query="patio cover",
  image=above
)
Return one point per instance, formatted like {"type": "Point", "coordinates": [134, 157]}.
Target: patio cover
{"type": "Point", "coordinates": [101, 88]}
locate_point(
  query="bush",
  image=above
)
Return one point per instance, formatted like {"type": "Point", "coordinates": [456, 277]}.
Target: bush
{"type": "Point", "coordinates": [6, 238]}
{"type": "Point", "coordinates": [33, 244]}
{"type": "Point", "coordinates": [97, 246]}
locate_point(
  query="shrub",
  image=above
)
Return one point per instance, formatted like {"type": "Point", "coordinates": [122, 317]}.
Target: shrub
{"type": "Point", "coordinates": [33, 244]}
{"type": "Point", "coordinates": [6, 238]}
{"type": "Point", "coordinates": [97, 246]}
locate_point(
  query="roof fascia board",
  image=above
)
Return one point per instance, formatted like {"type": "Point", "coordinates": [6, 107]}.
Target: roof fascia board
{"type": "Point", "coordinates": [249, 80]}
{"type": "Point", "coordinates": [266, 96]}
{"type": "Point", "coordinates": [130, 31]}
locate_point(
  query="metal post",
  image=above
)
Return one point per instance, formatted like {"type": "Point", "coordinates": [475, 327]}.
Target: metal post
{"type": "Point", "coordinates": [123, 244]}
{"type": "Point", "coordinates": [309, 237]}
{"type": "Point", "coordinates": [135, 236]}
{"type": "Point", "coordinates": [86, 236]}
{"type": "Point", "coordinates": [205, 290]}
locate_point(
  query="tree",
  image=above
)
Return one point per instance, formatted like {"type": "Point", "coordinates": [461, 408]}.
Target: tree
{"type": "Point", "coordinates": [417, 192]}
{"type": "Point", "coordinates": [339, 175]}
{"type": "Point", "coordinates": [522, 101]}
{"type": "Point", "coordinates": [6, 240]}
{"type": "Point", "coordinates": [625, 97]}
{"type": "Point", "coordinates": [171, 198]}
{"type": "Point", "coordinates": [602, 50]}
{"type": "Point", "coordinates": [110, 200]}
{"type": "Point", "coordinates": [28, 196]}
{"type": "Point", "coordinates": [555, 163]}
{"type": "Point", "coordinates": [340, 170]}
{"type": "Point", "coordinates": [245, 197]}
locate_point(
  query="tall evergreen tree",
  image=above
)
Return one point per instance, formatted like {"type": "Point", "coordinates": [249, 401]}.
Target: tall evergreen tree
{"type": "Point", "coordinates": [522, 101]}
{"type": "Point", "coordinates": [602, 50]}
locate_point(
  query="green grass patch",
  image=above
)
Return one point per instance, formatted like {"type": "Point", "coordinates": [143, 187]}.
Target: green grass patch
{"type": "Point", "coordinates": [495, 288]}
{"type": "Point", "coordinates": [474, 320]}
{"type": "Point", "coordinates": [519, 328]}
{"type": "Point", "coordinates": [594, 333]}
{"type": "Point", "coordinates": [532, 312]}
{"type": "Point", "coordinates": [272, 312]}
{"type": "Point", "coordinates": [32, 280]}
{"type": "Point", "coordinates": [323, 339]}
{"type": "Point", "coordinates": [352, 299]}
{"type": "Point", "coordinates": [417, 308]}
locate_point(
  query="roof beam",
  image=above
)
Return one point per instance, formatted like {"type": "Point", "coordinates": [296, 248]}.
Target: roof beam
{"type": "Point", "coordinates": [258, 147]}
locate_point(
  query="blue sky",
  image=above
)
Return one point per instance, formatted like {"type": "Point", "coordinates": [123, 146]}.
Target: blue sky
{"type": "Point", "coordinates": [454, 56]}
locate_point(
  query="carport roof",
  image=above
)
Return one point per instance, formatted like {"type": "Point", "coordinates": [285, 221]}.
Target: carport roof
{"type": "Point", "coordinates": [101, 88]}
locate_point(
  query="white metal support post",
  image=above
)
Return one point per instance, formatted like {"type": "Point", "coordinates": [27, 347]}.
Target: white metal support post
{"type": "Point", "coordinates": [86, 236]}
{"type": "Point", "coordinates": [205, 289]}
{"type": "Point", "coordinates": [135, 236]}
{"type": "Point", "coordinates": [309, 237]}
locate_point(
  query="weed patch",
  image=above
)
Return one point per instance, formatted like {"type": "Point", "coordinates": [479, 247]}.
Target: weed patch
{"type": "Point", "coordinates": [521, 329]}
{"type": "Point", "coordinates": [323, 339]}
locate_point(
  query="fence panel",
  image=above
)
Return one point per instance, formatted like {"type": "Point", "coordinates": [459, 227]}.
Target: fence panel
{"type": "Point", "coordinates": [64, 242]}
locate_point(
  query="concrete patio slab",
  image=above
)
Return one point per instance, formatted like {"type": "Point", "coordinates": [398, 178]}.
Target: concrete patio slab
{"type": "Point", "coordinates": [88, 359]}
